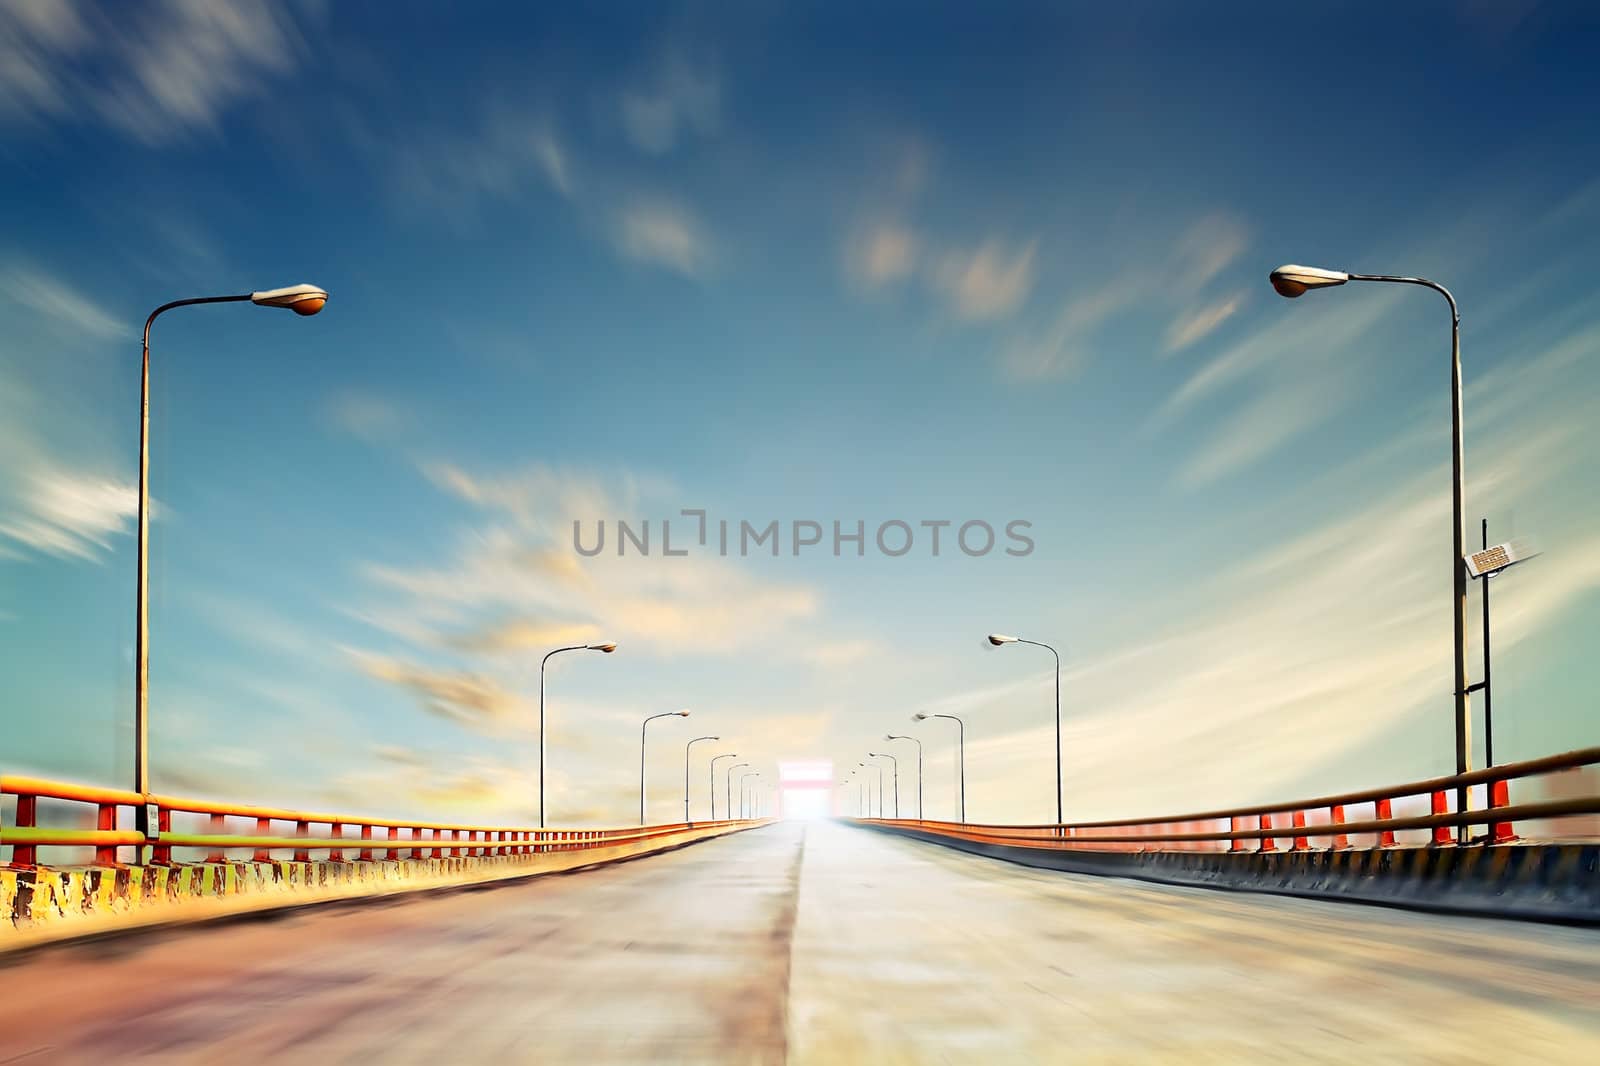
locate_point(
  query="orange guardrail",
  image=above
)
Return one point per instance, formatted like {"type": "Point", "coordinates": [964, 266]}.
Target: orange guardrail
{"type": "Point", "coordinates": [422, 839]}
{"type": "Point", "coordinates": [1301, 821]}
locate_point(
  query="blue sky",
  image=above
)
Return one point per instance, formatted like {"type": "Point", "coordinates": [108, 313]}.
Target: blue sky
{"type": "Point", "coordinates": [789, 264]}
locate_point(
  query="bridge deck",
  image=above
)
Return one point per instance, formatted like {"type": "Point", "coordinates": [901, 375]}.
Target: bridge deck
{"type": "Point", "coordinates": [820, 944]}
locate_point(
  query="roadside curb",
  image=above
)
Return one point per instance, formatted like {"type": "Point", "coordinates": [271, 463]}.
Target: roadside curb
{"type": "Point", "coordinates": [47, 907]}
{"type": "Point", "coordinates": [1529, 882]}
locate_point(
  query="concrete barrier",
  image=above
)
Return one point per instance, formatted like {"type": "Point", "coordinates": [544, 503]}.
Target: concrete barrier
{"type": "Point", "coordinates": [43, 904]}
{"type": "Point", "coordinates": [1551, 882]}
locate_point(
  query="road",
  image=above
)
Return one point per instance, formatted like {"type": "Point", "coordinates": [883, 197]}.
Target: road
{"type": "Point", "coordinates": [818, 944]}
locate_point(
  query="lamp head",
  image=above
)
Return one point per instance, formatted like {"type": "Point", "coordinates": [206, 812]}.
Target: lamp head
{"type": "Point", "coordinates": [301, 299]}
{"type": "Point", "coordinates": [919, 717]}
{"type": "Point", "coordinates": [607, 647]}
{"type": "Point", "coordinates": [998, 639]}
{"type": "Point", "coordinates": [1291, 280]}
{"type": "Point", "coordinates": [681, 714]}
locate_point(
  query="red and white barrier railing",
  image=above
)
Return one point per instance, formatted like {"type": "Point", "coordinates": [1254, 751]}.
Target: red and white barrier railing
{"type": "Point", "coordinates": [1330, 820]}
{"type": "Point", "coordinates": [218, 829]}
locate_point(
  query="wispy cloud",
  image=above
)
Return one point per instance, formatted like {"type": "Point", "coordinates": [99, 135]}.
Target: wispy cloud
{"type": "Point", "coordinates": [1194, 325]}
{"type": "Point", "coordinates": [1064, 348]}
{"type": "Point", "coordinates": [664, 234]}
{"type": "Point", "coordinates": [884, 252]}
{"type": "Point", "coordinates": [367, 417]}
{"type": "Point", "coordinates": [44, 294]}
{"type": "Point", "coordinates": [680, 98]}
{"type": "Point", "coordinates": [54, 500]}
{"type": "Point", "coordinates": [153, 71]}
{"type": "Point", "coordinates": [988, 281]}
{"type": "Point", "coordinates": [470, 699]}
{"type": "Point", "coordinates": [523, 634]}
{"type": "Point", "coordinates": [502, 156]}
{"type": "Point", "coordinates": [1181, 272]}
{"type": "Point", "coordinates": [516, 580]}
{"type": "Point", "coordinates": [61, 512]}
{"type": "Point", "coordinates": [1274, 647]}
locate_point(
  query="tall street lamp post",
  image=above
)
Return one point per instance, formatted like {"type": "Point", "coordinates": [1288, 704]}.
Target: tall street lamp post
{"type": "Point", "coordinates": [961, 753]}
{"type": "Point", "coordinates": [918, 743]}
{"type": "Point", "coordinates": [687, 749]}
{"type": "Point", "coordinates": [896, 763]}
{"type": "Point", "coordinates": [302, 300]}
{"type": "Point", "coordinates": [1291, 281]}
{"type": "Point", "coordinates": [643, 728]}
{"type": "Point", "coordinates": [712, 790]}
{"type": "Point", "coordinates": [607, 648]}
{"type": "Point", "coordinates": [998, 639]}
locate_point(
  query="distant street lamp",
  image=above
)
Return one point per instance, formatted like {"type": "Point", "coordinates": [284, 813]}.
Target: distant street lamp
{"type": "Point", "coordinates": [607, 648]}
{"type": "Point", "coordinates": [1292, 281]}
{"type": "Point", "coordinates": [896, 763]}
{"type": "Point", "coordinates": [998, 639]}
{"type": "Point", "coordinates": [744, 798]}
{"type": "Point", "coordinates": [642, 729]}
{"type": "Point", "coordinates": [302, 300]}
{"type": "Point", "coordinates": [687, 749]}
{"type": "Point", "coordinates": [712, 791]}
{"type": "Point", "coordinates": [727, 787]}
{"type": "Point", "coordinates": [961, 753]}
{"type": "Point", "coordinates": [1486, 564]}
{"type": "Point", "coordinates": [878, 767]}
{"type": "Point", "coordinates": [918, 743]}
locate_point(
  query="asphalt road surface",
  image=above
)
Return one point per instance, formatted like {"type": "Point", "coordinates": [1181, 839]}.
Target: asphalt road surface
{"type": "Point", "coordinates": [817, 944]}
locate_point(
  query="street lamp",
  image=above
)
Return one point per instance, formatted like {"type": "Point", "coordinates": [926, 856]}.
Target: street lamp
{"type": "Point", "coordinates": [687, 748]}
{"type": "Point", "coordinates": [878, 767]}
{"type": "Point", "coordinates": [918, 743]}
{"type": "Point", "coordinates": [642, 728]}
{"type": "Point", "coordinates": [744, 805]}
{"type": "Point", "coordinates": [1292, 281]}
{"type": "Point", "coordinates": [302, 300]}
{"type": "Point", "coordinates": [727, 787]}
{"type": "Point", "coordinates": [896, 762]}
{"type": "Point", "coordinates": [712, 791]}
{"type": "Point", "coordinates": [998, 639]}
{"type": "Point", "coordinates": [607, 648]}
{"type": "Point", "coordinates": [961, 753]}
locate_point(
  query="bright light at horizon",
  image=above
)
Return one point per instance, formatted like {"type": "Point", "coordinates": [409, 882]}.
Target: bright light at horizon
{"type": "Point", "coordinates": [807, 788]}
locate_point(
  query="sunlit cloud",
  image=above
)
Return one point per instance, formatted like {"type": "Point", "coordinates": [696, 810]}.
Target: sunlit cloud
{"type": "Point", "coordinates": [517, 564]}
{"type": "Point", "coordinates": [524, 634]}
{"type": "Point", "coordinates": [663, 234]}
{"type": "Point", "coordinates": [842, 652]}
